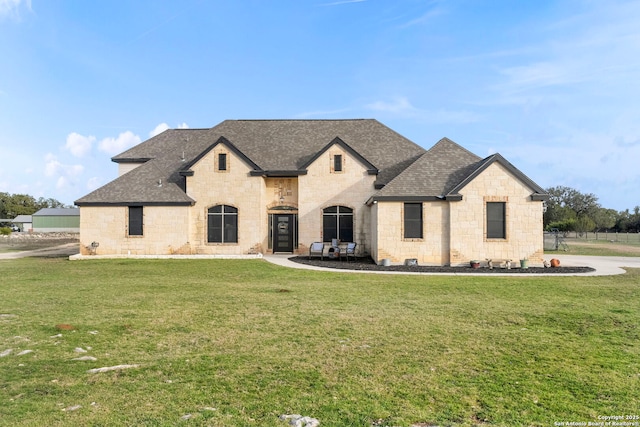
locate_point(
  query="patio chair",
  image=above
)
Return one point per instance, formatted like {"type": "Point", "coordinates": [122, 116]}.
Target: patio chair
{"type": "Point", "coordinates": [350, 251]}
{"type": "Point", "coordinates": [316, 249]}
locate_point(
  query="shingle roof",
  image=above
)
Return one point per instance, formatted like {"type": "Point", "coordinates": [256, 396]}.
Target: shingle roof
{"type": "Point", "coordinates": [58, 212]}
{"type": "Point", "coordinates": [443, 171]}
{"type": "Point", "coordinates": [269, 145]}
{"type": "Point", "coordinates": [433, 175]}
{"type": "Point", "coordinates": [405, 171]}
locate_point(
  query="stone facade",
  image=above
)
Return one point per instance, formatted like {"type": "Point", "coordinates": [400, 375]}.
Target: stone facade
{"type": "Point", "coordinates": [523, 220]}
{"type": "Point", "coordinates": [165, 230]}
{"type": "Point", "coordinates": [277, 179]}
{"type": "Point", "coordinates": [454, 232]}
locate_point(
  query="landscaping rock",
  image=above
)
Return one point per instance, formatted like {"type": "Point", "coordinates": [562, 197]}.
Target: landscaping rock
{"type": "Point", "coordinates": [6, 352]}
{"type": "Point", "coordinates": [297, 420]}
{"type": "Point", "coordinates": [85, 358]}
{"type": "Point", "coordinates": [111, 368]}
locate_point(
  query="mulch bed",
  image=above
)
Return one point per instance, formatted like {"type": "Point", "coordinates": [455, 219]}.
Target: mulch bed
{"type": "Point", "coordinates": [367, 264]}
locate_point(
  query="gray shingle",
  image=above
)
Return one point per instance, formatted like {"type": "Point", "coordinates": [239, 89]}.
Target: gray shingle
{"type": "Point", "coordinates": [273, 145]}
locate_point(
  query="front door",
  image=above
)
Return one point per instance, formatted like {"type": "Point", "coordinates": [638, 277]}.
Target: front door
{"type": "Point", "coordinates": [283, 232]}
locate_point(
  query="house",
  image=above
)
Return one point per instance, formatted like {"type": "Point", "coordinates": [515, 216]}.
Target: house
{"type": "Point", "coordinates": [25, 222]}
{"type": "Point", "coordinates": [269, 186]}
{"type": "Point", "coordinates": [48, 220]}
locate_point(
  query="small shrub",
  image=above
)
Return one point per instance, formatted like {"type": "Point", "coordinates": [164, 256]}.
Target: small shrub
{"type": "Point", "coordinates": [5, 231]}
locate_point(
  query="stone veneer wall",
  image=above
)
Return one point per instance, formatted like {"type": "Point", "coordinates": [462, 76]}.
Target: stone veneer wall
{"type": "Point", "coordinates": [234, 187]}
{"type": "Point", "coordinates": [524, 226]}
{"type": "Point", "coordinates": [164, 230]}
{"type": "Point", "coordinates": [432, 249]}
{"type": "Point", "coordinates": [322, 187]}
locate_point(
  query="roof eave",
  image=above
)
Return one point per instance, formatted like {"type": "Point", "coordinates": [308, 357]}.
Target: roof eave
{"type": "Point", "coordinates": [277, 173]}
{"type": "Point", "coordinates": [116, 204]}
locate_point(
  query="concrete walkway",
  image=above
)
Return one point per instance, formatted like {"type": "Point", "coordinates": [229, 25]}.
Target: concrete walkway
{"type": "Point", "coordinates": [604, 266]}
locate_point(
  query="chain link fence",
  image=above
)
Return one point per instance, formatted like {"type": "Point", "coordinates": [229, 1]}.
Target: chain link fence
{"type": "Point", "coordinates": [557, 240]}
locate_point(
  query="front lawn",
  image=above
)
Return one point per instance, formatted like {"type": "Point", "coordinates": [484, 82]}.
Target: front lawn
{"type": "Point", "coordinates": [239, 343]}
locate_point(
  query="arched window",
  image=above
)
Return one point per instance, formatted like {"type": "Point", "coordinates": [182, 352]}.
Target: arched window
{"type": "Point", "coordinates": [222, 224]}
{"type": "Point", "coordinates": [337, 223]}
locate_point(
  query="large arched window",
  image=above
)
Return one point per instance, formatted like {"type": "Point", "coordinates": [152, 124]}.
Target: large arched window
{"type": "Point", "coordinates": [222, 224]}
{"type": "Point", "coordinates": [337, 223]}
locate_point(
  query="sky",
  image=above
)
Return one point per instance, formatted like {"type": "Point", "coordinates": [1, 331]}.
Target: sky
{"type": "Point", "coordinates": [553, 86]}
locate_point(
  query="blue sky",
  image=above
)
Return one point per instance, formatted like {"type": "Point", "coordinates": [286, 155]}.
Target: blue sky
{"type": "Point", "coordinates": [553, 86]}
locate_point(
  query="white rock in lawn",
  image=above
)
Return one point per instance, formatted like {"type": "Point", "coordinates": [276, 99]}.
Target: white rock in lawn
{"type": "Point", "coordinates": [6, 352]}
{"type": "Point", "coordinates": [23, 352]}
{"type": "Point", "coordinates": [110, 368]}
{"type": "Point", "coordinates": [80, 350]}
{"type": "Point", "coordinates": [297, 420]}
{"type": "Point", "coordinates": [72, 408]}
{"type": "Point", "coordinates": [85, 358]}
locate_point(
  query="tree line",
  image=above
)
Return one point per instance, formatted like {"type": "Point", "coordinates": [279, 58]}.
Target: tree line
{"type": "Point", "coordinates": [12, 205]}
{"type": "Point", "coordinates": [570, 210]}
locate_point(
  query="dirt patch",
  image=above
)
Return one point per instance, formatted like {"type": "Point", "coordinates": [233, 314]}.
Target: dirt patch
{"type": "Point", "coordinates": [367, 264]}
{"type": "Point", "coordinates": [49, 245]}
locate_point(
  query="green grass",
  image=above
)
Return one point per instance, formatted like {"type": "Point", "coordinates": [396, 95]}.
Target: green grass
{"type": "Point", "coordinates": [599, 248]}
{"type": "Point", "coordinates": [255, 341]}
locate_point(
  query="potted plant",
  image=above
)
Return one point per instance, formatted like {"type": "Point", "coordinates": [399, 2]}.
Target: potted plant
{"type": "Point", "coordinates": [474, 263]}
{"type": "Point", "coordinates": [524, 263]}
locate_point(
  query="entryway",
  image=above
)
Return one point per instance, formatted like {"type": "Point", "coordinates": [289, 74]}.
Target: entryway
{"type": "Point", "coordinates": [284, 228]}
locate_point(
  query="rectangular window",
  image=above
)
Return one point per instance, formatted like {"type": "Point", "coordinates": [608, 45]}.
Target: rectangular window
{"type": "Point", "coordinates": [135, 220]}
{"type": "Point", "coordinates": [222, 161]}
{"type": "Point", "coordinates": [337, 163]}
{"type": "Point", "coordinates": [413, 220]}
{"type": "Point", "coordinates": [496, 220]}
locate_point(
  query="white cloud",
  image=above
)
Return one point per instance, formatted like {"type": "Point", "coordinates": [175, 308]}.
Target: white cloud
{"type": "Point", "coordinates": [63, 174]}
{"type": "Point", "coordinates": [62, 182]}
{"type": "Point", "coordinates": [79, 145]}
{"type": "Point", "coordinates": [401, 106]}
{"type": "Point", "coordinates": [163, 126]}
{"type": "Point", "coordinates": [54, 168]}
{"type": "Point", "coordinates": [12, 7]}
{"type": "Point", "coordinates": [158, 129]}
{"type": "Point", "coordinates": [93, 183]}
{"type": "Point", "coordinates": [398, 105]}
{"type": "Point", "coordinates": [117, 145]}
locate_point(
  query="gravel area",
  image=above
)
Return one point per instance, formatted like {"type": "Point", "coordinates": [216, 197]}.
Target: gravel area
{"type": "Point", "coordinates": [367, 264]}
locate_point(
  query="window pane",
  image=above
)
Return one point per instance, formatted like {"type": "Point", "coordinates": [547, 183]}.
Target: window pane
{"type": "Point", "coordinates": [413, 220]}
{"type": "Point", "coordinates": [331, 209]}
{"type": "Point", "coordinates": [231, 228]}
{"type": "Point", "coordinates": [230, 209]}
{"type": "Point", "coordinates": [496, 220]}
{"type": "Point", "coordinates": [135, 220]}
{"type": "Point", "coordinates": [214, 229]}
{"type": "Point", "coordinates": [329, 227]}
{"type": "Point", "coordinates": [216, 209]}
{"type": "Point", "coordinates": [346, 228]}
{"type": "Point", "coordinates": [222, 162]}
{"type": "Point", "coordinates": [344, 209]}
{"type": "Point", "coordinates": [337, 163]}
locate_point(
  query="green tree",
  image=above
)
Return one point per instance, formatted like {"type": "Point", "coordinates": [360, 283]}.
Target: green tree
{"type": "Point", "coordinates": [566, 203]}
{"type": "Point", "coordinates": [12, 205]}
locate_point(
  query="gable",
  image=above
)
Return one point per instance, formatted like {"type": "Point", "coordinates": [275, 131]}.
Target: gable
{"type": "Point", "coordinates": [339, 146]}
{"type": "Point", "coordinates": [432, 175]}
{"type": "Point", "coordinates": [537, 193]}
